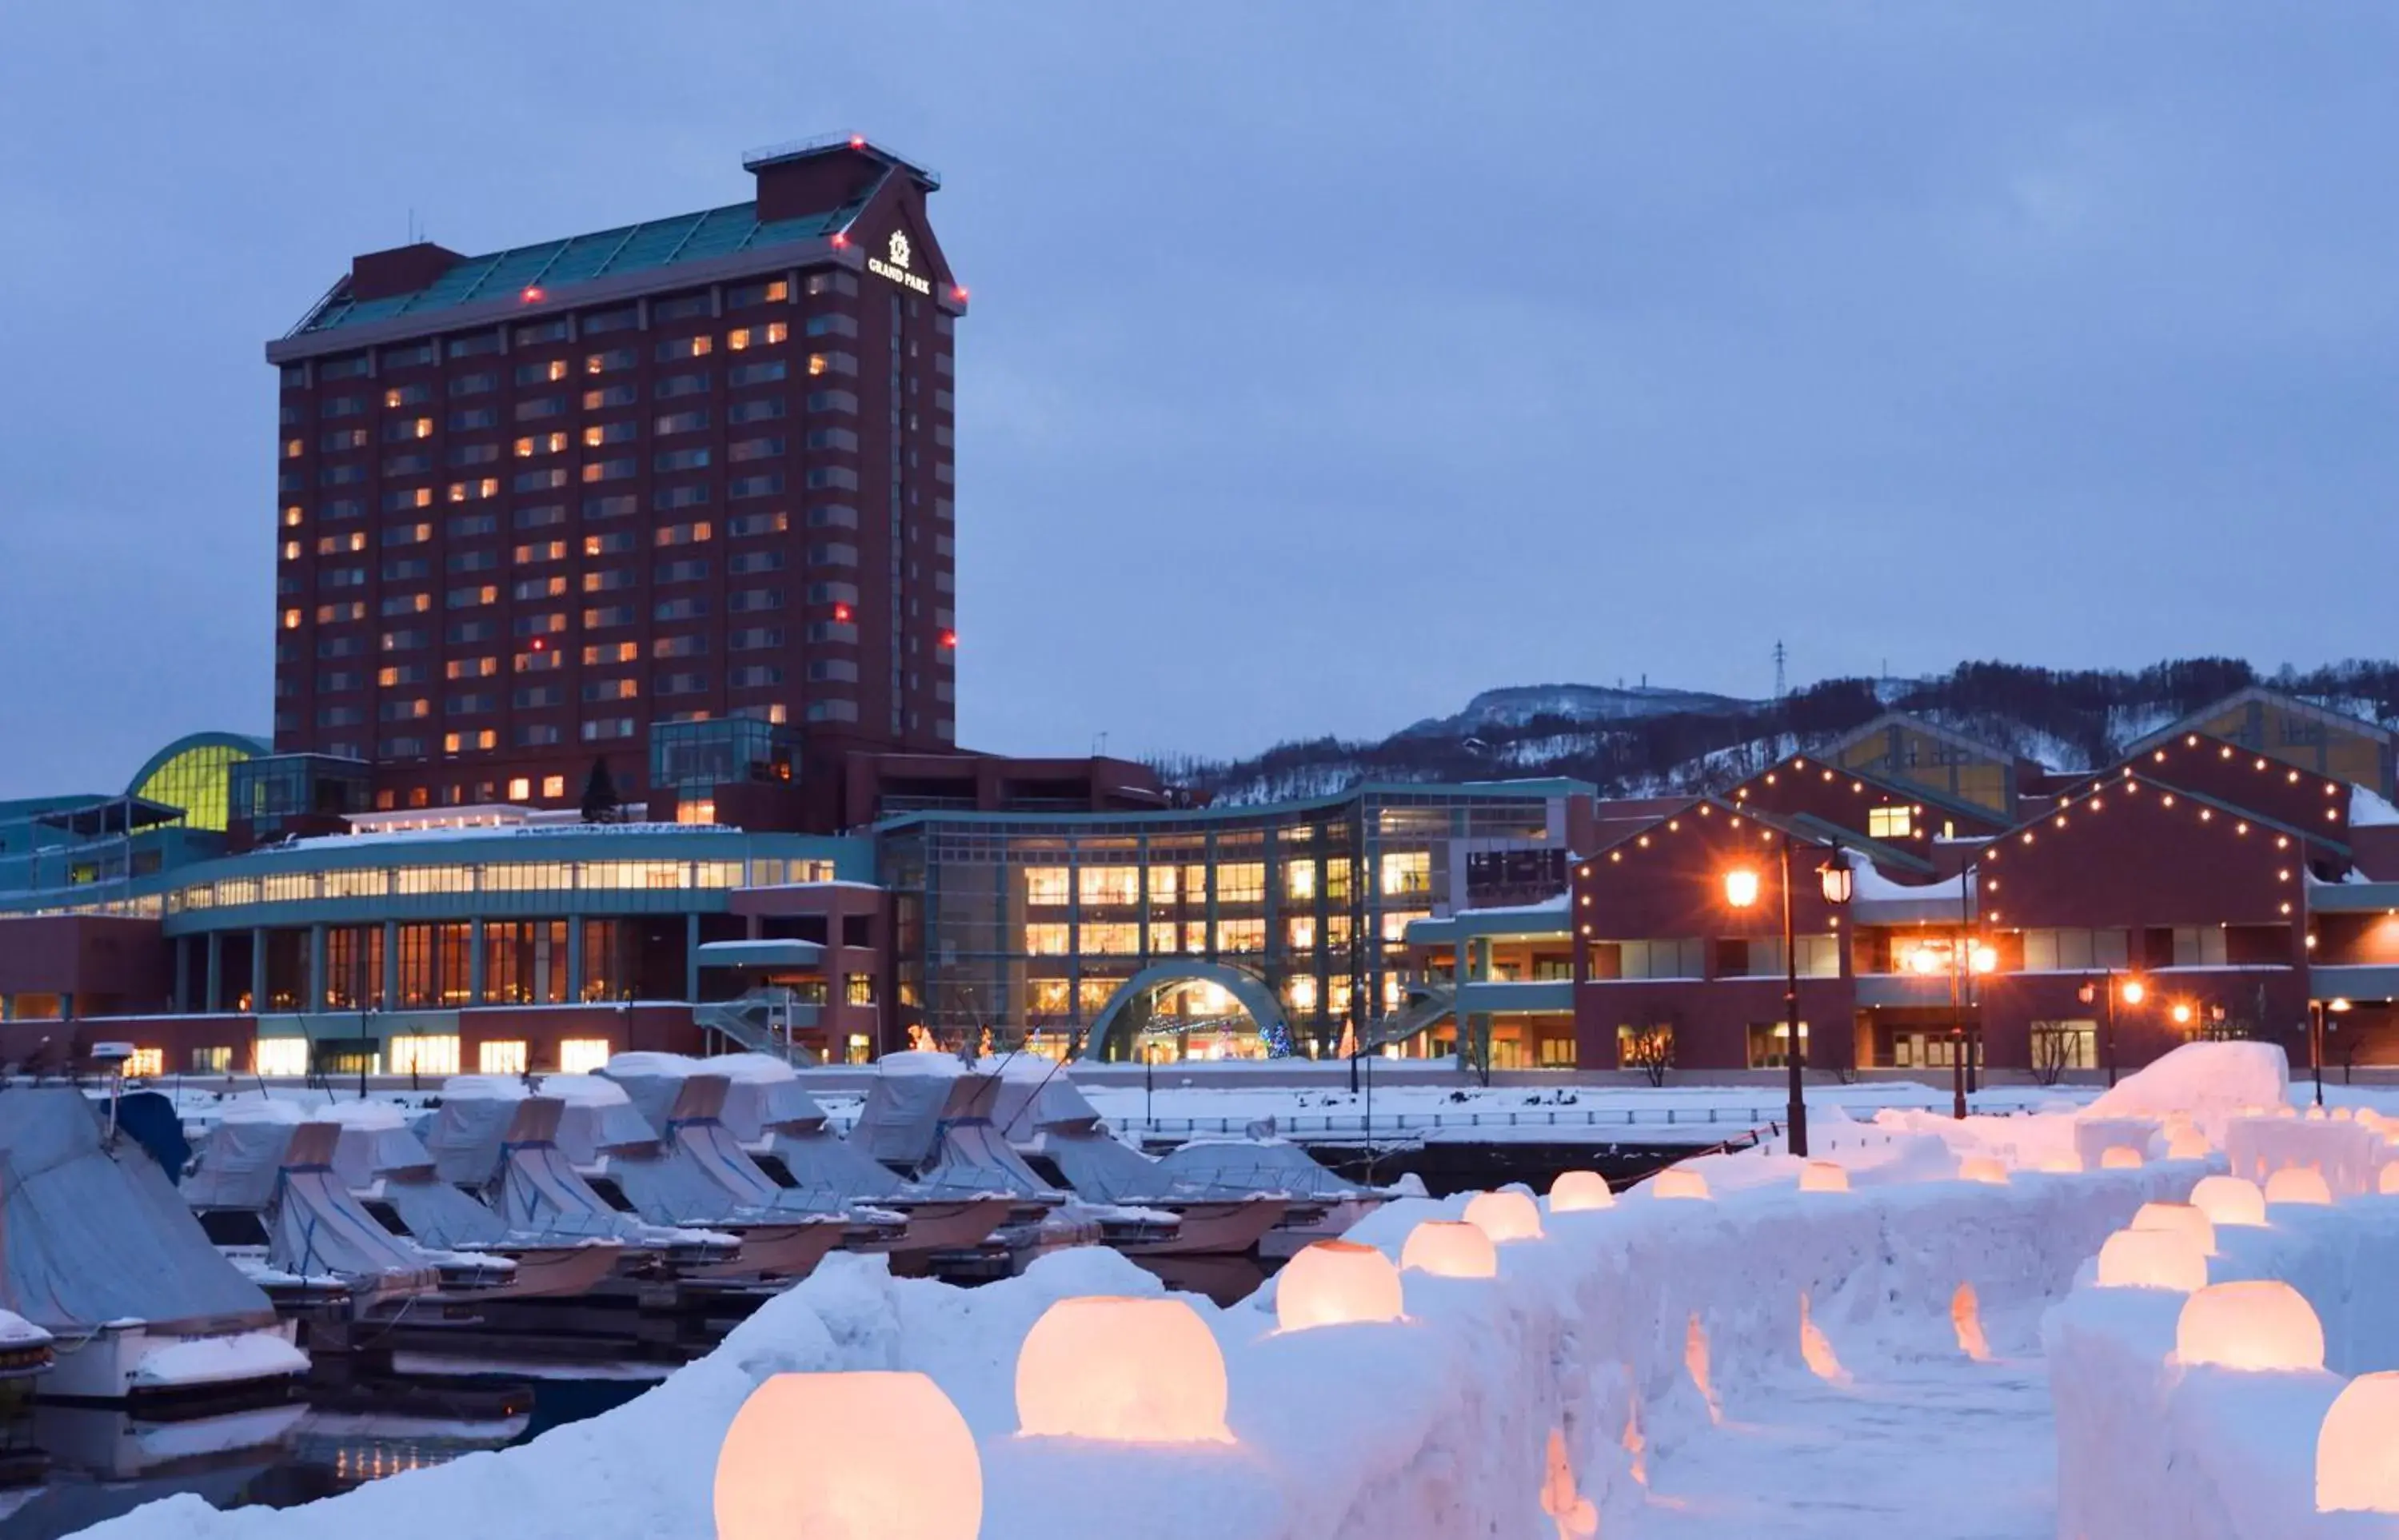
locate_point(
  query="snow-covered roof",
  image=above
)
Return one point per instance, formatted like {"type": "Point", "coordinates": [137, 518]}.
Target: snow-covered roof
{"type": "Point", "coordinates": [674, 1065]}
{"type": "Point", "coordinates": [2369, 809]}
{"type": "Point", "coordinates": [485, 1087]}
{"type": "Point", "coordinates": [752, 1068]}
{"type": "Point", "coordinates": [945, 1066]}
{"type": "Point", "coordinates": [587, 1090]}
{"type": "Point", "coordinates": [266, 1109]}
{"type": "Point", "coordinates": [366, 1116]}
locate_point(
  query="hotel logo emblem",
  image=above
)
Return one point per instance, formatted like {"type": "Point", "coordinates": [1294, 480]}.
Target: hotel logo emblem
{"type": "Point", "coordinates": [898, 248]}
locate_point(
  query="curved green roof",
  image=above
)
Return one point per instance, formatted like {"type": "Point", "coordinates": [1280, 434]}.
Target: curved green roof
{"type": "Point", "coordinates": [192, 773]}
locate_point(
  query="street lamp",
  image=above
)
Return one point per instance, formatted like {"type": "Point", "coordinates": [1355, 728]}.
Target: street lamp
{"type": "Point", "coordinates": [1967, 959]}
{"type": "Point", "coordinates": [2132, 991]}
{"type": "Point", "coordinates": [1741, 886]}
{"type": "Point", "coordinates": [2317, 1027]}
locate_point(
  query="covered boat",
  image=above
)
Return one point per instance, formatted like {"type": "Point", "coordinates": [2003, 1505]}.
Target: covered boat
{"type": "Point", "coordinates": [1324, 1203]}
{"type": "Point", "coordinates": [101, 1254]}
{"type": "Point", "coordinates": [390, 1172]}
{"type": "Point", "coordinates": [264, 1186]}
{"type": "Point", "coordinates": [1047, 1119]}
{"type": "Point", "coordinates": [681, 1182]}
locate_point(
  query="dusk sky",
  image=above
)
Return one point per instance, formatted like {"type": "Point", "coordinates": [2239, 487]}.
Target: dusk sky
{"type": "Point", "coordinates": [1327, 363]}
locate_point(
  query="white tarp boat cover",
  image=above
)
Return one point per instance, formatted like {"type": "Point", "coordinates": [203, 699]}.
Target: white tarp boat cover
{"type": "Point", "coordinates": [971, 1159]}
{"type": "Point", "coordinates": [471, 1126]}
{"type": "Point", "coordinates": [375, 1140]}
{"type": "Point", "coordinates": [539, 1189]}
{"type": "Point", "coordinates": [1033, 1094]}
{"type": "Point", "coordinates": [698, 1175]}
{"type": "Point", "coordinates": [92, 1235]}
{"type": "Point", "coordinates": [651, 1081]}
{"type": "Point", "coordinates": [437, 1213]}
{"type": "Point", "coordinates": [763, 1095]}
{"type": "Point", "coordinates": [598, 1120]}
{"type": "Point", "coordinates": [821, 1161]}
{"type": "Point", "coordinates": [913, 1095]}
{"type": "Point", "coordinates": [238, 1160]}
{"type": "Point", "coordinates": [315, 1227]}
{"type": "Point", "coordinates": [1258, 1166]}
{"type": "Point", "coordinates": [1102, 1170]}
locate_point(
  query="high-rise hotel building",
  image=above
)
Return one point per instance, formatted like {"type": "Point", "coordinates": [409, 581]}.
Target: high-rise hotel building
{"type": "Point", "coordinates": [679, 494]}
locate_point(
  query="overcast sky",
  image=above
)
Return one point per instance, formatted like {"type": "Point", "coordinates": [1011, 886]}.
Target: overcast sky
{"type": "Point", "coordinates": [1328, 363]}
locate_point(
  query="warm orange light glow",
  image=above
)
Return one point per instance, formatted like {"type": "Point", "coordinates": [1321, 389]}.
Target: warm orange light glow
{"type": "Point", "coordinates": [2387, 1180]}
{"type": "Point", "coordinates": [1674, 1183]}
{"type": "Point", "coordinates": [2297, 1185]}
{"type": "Point", "coordinates": [2356, 1470]}
{"type": "Point", "coordinates": [2135, 991]}
{"type": "Point", "coordinates": [1740, 887]}
{"type": "Point", "coordinates": [2186, 1144]}
{"type": "Point", "coordinates": [1695, 1363]}
{"type": "Point", "coordinates": [1983, 1168]}
{"type": "Point", "coordinates": [2152, 1259]}
{"type": "Point", "coordinates": [1336, 1283]}
{"type": "Point", "coordinates": [2120, 1157]}
{"type": "Point", "coordinates": [1966, 1320]}
{"type": "Point", "coordinates": [1816, 1349]}
{"type": "Point", "coordinates": [2059, 1162]}
{"type": "Point", "coordinates": [1504, 1216]}
{"type": "Point", "coordinates": [888, 1456]}
{"type": "Point", "coordinates": [2181, 1218]}
{"type": "Point", "coordinates": [1579, 1192]}
{"type": "Point", "coordinates": [2254, 1324]}
{"type": "Point", "coordinates": [1983, 959]}
{"type": "Point", "coordinates": [1122, 1370]}
{"type": "Point", "coordinates": [2181, 1013]}
{"type": "Point", "coordinates": [1822, 1176]}
{"type": "Point", "coordinates": [1449, 1249]}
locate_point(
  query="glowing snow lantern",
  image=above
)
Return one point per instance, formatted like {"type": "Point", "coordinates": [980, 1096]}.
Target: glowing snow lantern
{"type": "Point", "coordinates": [1335, 1283]}
{"type": "Point", "coordinates": [1674, 1182]}
{"type": "Point", "coordinates": [1983, 1168]}
{"type": "Point", "coordinates": [2256, 1323]}
{"type": "Point", "coordinates": [2180, 1217]}
{"type": "Point", "coordinates": [1822, 1176]}
{"type": "Point", "coordinates": [2344, 1115]}
{"type": "Point", "coordinates": [2297, 1185]}
{"type": "Point", "coordinates": [1450, 1248]}
{"type": "Point", "coordinates": [2059, 1162]}
{"type": "Point", "coordinates": [2356, 1470]}
{"type": "Point", "coordinates": [1575, 1192]}
{"type": "Point", "coordinates": [2186, 1144]}
{"type": "Point", "coordinates": [2152, 1259]}
{"type": "Point", "coordinates": [1123, 1371]}
{"type": "Point", "coordinates": [2388, 1180]}
{"type": "Point", "coordinates": [2228, 1200]}
{"type": "Point", "coordinates": [1504, 1216]}
{"type": "Point", "coordinates": [2120, 1157]}
{"type": "Point", "coordinates": [888, 1455]}
{"type": "Point", "coordinates": [2313, 1114]}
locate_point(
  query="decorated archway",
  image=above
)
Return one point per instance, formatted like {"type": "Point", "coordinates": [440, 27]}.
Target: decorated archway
{"type": "Point", "coordinates": [1184, 999]}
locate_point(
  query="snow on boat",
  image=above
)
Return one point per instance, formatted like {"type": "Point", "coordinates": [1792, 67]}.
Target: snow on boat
{"type": "Point", "coordinates": [101, 1254]}
{"type": "Point", "coordinates": [1324, 1204]}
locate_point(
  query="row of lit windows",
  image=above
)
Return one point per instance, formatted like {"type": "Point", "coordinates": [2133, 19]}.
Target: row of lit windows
{"type": "Point", "coordinates": [497, 877]}
{"type": "Point", "coordinates": [1402, 874]}
{"type": "Point", "coordinates": [1166, 938]}
{"type": "Point", "coordinates": [291, 1058]}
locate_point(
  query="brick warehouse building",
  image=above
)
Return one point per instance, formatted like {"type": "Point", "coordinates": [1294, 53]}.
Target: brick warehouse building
{"type": "Point", "coordinates": [695, 471]}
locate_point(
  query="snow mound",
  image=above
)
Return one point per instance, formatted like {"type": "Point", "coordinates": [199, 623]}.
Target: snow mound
{"type": "Point", "coordinates": [758, 1069]}
{"type": "Point", "coordinates": [486, 1087]}
{"type": "Point", "coordinates": [267, 1109]}
{"type": "Point", "coordinates": [2212, 1083]}
{"type": "Point", "coordinates": [638, 1062]}
{"type": "Point", "coordinates": [370, 1117]}
{"type": "Point", "coordinates": [585, 1090]}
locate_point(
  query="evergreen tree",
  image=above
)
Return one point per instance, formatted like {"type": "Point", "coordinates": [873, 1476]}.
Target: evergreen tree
{"type": "Point", "coordinates": [600, 799]}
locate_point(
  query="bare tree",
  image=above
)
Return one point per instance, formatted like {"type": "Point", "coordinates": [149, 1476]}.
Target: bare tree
{"type": "Point", "coordinates": [2053, 1053]}
{"type": "Point", "coordinates": [1652, 1050]}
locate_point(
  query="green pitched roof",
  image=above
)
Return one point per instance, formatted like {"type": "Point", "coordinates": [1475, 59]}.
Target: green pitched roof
{"type": "Point", "coordinates": [580, 259]}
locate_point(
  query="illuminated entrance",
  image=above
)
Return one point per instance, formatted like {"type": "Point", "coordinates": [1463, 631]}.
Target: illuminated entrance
{"type": "Point", "coordinates": [1190, 1009]}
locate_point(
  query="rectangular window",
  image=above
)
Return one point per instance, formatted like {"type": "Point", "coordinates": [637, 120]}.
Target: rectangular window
{"type": "Point", "coordinates": [691, 570]}
{"type": "Point", "coordinates": [605, 470]}
{"type": "Point", "coordinates": [604, 729]}
{"type": "Point", "coordinates": [608, 615]}
{"type": "Point", "coordinates": [821, 364]}
{"type": "Point", "coordinates": [583, 1055]}
{"type": "Point", "coordinates": [1890, 823]}
{"type": "Point", "coordinates": [755, 561]}
{"type": "Point", "coordinates": [610, 396]}
{"type": "Point", "coordinates": [756, 639]}
{"type": "Point", "coordinates": [832, 400]}
{"type": "Point", "coordinates": [615, 507]}
{"type": "Point", "coordinates": [678, 497]}
{"type": "Point", "coordinates": [765, 371]}
{"type": "Point", "coordinates": [502, 1057]}
{"type": "Point", "coordinates": [751, 600]}
{"type": "Point", "coordinates": [680, 459]}
{"type": "Point", "coordinates": [474, 561]}
{"type": "Point", "coordinates": [757, 524]}
{"type": "Point", "coordinates": [761, 409]}
{"type": "Point", "coordinates": [539, 551]}
{"type": "Point", "coordinates": [681, 385]}
{"type": "Point", "coordinates": [771, 483]}
{"type": "Point", "coordinates": [680, 609]}
{"type": "Point", "coordinates": [680, 421]}
{"type": "Point", "coordinates": [465, 526]}
{"type": "Point", "coordinates": [742, 337]}
{"type": "Point", "coordinates": [468, 599]}
{"type": "Point", "coordinates": [540, 515]}
{"type": "Point", "coordinates": [542, 373]}
{"type": "Point", "coordinates": [473, 385]}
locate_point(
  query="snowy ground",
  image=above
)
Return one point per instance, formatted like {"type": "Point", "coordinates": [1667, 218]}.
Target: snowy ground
{"type": "Point", "coordinates": [1932, 1451]}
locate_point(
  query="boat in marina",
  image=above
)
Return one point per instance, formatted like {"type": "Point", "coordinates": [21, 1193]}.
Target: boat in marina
{"type": "Point", "coordinates": [675, 1182]}
{"type": "Point", "coordinates": [263, 1186]}
{"type": "Point", "coordinates": [98, 1250]}
{"type": "Point", "coordinates": [391, 1173]}
{"type": "Point", "coordinates": [787, 1135]}
{"type": "Point", "coordinates": [1051, 1124]}
{"type": "Point", "coordinates": [1324, 1204]}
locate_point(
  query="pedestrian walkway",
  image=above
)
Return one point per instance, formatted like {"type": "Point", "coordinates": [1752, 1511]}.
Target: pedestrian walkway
{"type": "Point", "coordinates": [1932, 1451]}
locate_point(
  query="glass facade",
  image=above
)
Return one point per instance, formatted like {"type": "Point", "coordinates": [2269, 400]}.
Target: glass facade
{"type": "Point", "coordinates": [197, 778]}
{"type": "Point", "coordinates": [1031, 926]}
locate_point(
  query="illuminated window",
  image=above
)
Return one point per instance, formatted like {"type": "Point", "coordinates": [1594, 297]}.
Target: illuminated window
{"type": "Point", "coordinates": [1242, 883]}
{"type": "Point", "coordinates": [291, 620]}
{"type": "Point", "coordinates": [195, 779]}
{"type": "Point", "coordinates": [1300, 931]}
{"type": "Point", "coordinates": [1045, 941]}
{"type": "Point", "coordinates": [425, 1056]}
{"type": "Point", "coordinates": [696, 810]}
{"type": "Point", "coordinates": [1301, 993]}
{"type": "Point", "coordinates": [1890, 823]}
{"type": "Point", "coordinates": [858, 989]}
{"type": "Point", "coordinates": [1407, 871]}
{"type": "Point", "coordinates": [280, 1056]}
{"type": "Point", "coordinates": [1109, 884]}
{"type": "Point", "coordinates": [581, 1055]}
{"type": "Point", "coordinates": [453, 743]}
{"type": "Point", "coordinates": [756, 336]}
{"type": "Point", "coordinates": [507, 1057]}
{"type": "Point", "coordinates": [213, 1058]}
{"type": "Point", "coordinates": [553, 786]}
{"type": "Point", "coordinates": [1299, 880]}
{"type": "Point", "coordinates": [292, 517]}
{"type": "Point", "coordinates": [1241, 935]}
{"type": "Point", "coordinates": [145, 1064]}
{"type": "Point", "coordinates": [1111, 941]}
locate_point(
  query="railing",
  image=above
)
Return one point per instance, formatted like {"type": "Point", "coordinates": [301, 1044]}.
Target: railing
{"type": "Point", "coordinates": [1403, 1123]}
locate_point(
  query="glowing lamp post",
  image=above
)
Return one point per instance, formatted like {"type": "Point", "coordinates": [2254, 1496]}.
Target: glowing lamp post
{"type": "Point", "coordinates": [2255, 1324]}
{"type": "Point", "coordinates": [2132, 991]}
{"type": "Point", "coordinates": [1450, 1248]}
{"type": "Point", "coordinates": [1336, 1283]}
{"type": "Point", "coordinates": [2233, 1200]}
{"type": "Point", "coordinates": [1741, 891]}
{"type": "Point", "coordinates": [1122, 1370]}
{"type": "Point", "coordinates": [2356, 1472]}
{"type": "Point", "coordinates": [1577, 1192]}
{"type": "Point", "coordinates": [1504, 1216]}
{"type": "Point", "coordinates": [888, 1456]}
